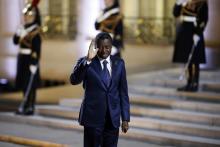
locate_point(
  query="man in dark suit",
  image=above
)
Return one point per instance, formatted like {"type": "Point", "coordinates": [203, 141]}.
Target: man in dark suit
{"type": "Point", "coordinates": [106, 94]}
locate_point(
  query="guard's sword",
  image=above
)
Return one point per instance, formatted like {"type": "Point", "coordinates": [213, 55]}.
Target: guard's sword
{"type": "Point", "coordinates": [28, 89]}
{"type": "Point", "coordinates": [183, 73]}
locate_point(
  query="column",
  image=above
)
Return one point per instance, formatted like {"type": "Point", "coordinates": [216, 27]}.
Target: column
{"type": "Point", "coordinates": [44, 7]}
{"type": "Point", "coordinates": [65, 16]}
{"type": "Point", "coordinates": [130, 8]}
{"type": "Point", "coordinates": [159, 16]}
{"type": "Point", "coordinates": [10, 19]}
{"type": "Point", "coordinates": [87, 11]}
{"type": "Point", "coordinates": [212, 35]}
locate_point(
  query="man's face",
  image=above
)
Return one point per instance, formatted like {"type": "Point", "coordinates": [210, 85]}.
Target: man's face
{"type": "Point", "coordinates": [105, 48]}
{"type": "Point", "coordinates": [109, 3]}
{"type": "Point", "coordinates": [28, 18]}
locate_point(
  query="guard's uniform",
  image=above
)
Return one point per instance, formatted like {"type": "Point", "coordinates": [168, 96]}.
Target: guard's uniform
{"type": "Point", "coordinates": [29, 40]}
{"type": "Point", "coordinates": [111, 21]}
{"type": "Point", "coordinates": [193, 17]}
{"type": "Point", "coordinates": [193, 20]}
{"type": "Point", "coordinates": [29, 54]}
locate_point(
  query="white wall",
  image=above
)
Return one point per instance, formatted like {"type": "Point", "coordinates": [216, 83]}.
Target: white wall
{"type": "Point", "coordinates": [10, 19]}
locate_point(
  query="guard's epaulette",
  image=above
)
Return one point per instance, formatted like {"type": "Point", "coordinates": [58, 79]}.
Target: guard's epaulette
{"type": "Point", "coordinates": [109, 24]}
{"type": "Point", "coordinates": [198, 4]}
{"type": "Point", "coordinates": [35, 32]}
{"type": "Point", "coordinates": [189, 12]}
{"type": "Point", "coordinates": [28, 38]}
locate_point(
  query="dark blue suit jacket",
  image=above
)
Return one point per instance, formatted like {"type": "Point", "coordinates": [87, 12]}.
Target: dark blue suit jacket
{"type": "Point", "coordinates": [98, 97]}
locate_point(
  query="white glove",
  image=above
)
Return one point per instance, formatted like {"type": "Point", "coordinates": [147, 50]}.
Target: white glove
{"type": "Point", "coordinates": [196, 39]}
{"type": "Point", "coordinates": [114, 50]}
{"type": "Point", "coordinates": [21, 32]}
{"type": "Point", "coordinates": [181, 2]}
{"type": "Point", "coordinates": [33, 69]}
{"type": "Point", "coordinates": [18, 31]}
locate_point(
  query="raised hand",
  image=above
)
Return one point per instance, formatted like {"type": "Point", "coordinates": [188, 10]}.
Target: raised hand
{"type": "Point", "coordinates": [92, 50]}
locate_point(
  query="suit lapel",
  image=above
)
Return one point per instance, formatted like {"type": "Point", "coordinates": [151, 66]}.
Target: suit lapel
{"type": "Point", "coordinates": [114, 67]}
{"type": "Point", "coordinates": [98, 69]}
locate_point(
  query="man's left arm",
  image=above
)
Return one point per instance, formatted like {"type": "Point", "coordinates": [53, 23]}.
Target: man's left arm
{"type": "Point", "coordinates": [124, 102]}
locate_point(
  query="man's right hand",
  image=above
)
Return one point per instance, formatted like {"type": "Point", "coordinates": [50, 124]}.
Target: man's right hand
{"type": "Point", "coordinates": [92, 50]}
{"type": "Point", "coordinates": [124, 126]}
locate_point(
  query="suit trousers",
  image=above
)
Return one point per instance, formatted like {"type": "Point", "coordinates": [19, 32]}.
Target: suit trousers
{"type": "Point", "coordinates": [105, 136]}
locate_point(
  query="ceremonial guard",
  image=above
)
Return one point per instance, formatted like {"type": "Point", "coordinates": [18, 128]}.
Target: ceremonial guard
{"type": "Point", "coordinates": [28, 75]}
{"type": "Point", "coordinates": [189, 45]}
{"type": "Point", "coordinates": [111, 21]}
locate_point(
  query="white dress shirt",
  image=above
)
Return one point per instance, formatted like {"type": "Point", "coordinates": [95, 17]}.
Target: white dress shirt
{"type": "Point", "coordinates": [101, 62]}
{"type": "Point", "coordinates": [108, 64]}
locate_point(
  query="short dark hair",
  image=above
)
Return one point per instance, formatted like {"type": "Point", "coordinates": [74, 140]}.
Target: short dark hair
{"type": "Point", "coordinates": [102, 36]}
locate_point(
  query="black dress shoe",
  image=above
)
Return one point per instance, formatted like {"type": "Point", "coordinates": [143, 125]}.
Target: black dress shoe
{"type": "Point", "coordinates": [20, 111]}
{"type": "Point", "coordinates": [188, 88]}
{"type": "Point", "coordinates": [184, 88]}
{"type": "Point", "coordinates": [27, 111]}
{"type": "Point", "coordinates": [194, 88]}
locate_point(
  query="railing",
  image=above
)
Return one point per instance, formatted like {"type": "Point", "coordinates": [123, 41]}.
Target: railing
{"type": "Point", "coordinates": [59, 26]}
{"type": "Point", "coordinates": [149, 30]}
{"type": "Point", "coordinates": [136, 29]}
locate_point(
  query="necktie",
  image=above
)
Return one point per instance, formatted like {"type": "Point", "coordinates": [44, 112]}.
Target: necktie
{"type": "Point", "coordinates": [105, 74]}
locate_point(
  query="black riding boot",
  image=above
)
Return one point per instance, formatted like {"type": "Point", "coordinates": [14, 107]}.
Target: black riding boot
{"type": "Point", "coordinates": [23, 106]}
{"type": "Point", "coordinates": [31, 103]}
{"type": "Point", "coordinates": [195, 80]}
{"type": "Point", "coordinates": [27, 105]}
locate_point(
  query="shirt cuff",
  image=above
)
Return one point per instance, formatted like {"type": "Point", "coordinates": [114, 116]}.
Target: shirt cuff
{"type": "Point", "coordinates": [86, 62]}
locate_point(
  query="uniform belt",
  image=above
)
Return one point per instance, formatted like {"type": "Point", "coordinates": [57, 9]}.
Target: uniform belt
{"type": "Point", "coordinates": [25, 51]}
{"type": "Point", "coordinates": [188, 18]}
